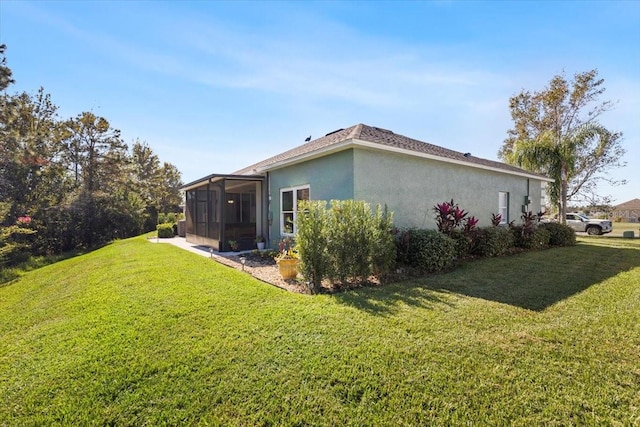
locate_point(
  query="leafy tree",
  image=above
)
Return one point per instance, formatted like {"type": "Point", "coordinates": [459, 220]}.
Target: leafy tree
{"type": "Point", "coordinates": [31, 176]}
{"type": "Point", "coordinates": [169, 197]}
{"type": "Point", "coordinates": [158, 185]}
{"type": "Point", "coordinates": [5, 72]}
{"type": "Point", "coordinates": [556, 133]}
{"type": "Point", "coordinates": [95, 151]}
{"type": "Point", "coordinates": [145, 165]}
{"type": "Point", "coordinates": [71, 179]}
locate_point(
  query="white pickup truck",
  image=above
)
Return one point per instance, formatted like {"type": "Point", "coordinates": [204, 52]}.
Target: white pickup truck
{"type": "Point", "coordinates": [581, 222]}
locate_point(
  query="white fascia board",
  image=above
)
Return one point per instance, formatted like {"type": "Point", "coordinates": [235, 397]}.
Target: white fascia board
{"type": "Point", "coordinates": [353, 143]}
{"type": "Point", "coordinates": [195, 185]}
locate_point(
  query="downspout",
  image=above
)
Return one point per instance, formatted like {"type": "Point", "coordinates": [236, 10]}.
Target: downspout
{"type": "Point", "coordinates": [269, 214]}
{"type": "Point", "coordinates": [528, 200]}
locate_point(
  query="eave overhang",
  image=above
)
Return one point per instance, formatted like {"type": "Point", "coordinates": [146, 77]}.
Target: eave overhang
{"type": "Point", "coordinates": [357, 143]}
{"type": "Point", "coordinates": [218, 177]}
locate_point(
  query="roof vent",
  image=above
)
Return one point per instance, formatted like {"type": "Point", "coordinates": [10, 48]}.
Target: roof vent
{"type": "Point", "coordinates": [467, 154]}
{"type": "Point", "coordinates": [335, 131]}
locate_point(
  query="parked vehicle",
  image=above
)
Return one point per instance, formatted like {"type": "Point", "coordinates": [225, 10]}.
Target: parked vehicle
{"type": "Point", "coordinates": [592, 227]}
{"type": "Point", "coordinates": [581, 222]}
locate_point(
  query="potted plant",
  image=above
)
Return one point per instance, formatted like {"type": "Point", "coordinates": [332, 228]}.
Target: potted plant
{"type": "Point", "coordinates": [287, 259]}
{"type": "Point", "coordinates": [234, 245]}
{"type": "Point", "coordinates": [260, 242]}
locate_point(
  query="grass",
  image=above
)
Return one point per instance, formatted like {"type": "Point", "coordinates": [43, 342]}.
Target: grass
{"type": "Point", "coordinates": [7, 274]}
{"type": "Point", "coordinates": [621, 227]}
{"type": "Point", "coordinates": [142, 334]}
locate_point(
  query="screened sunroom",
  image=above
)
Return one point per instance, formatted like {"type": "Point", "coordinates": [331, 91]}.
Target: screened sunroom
{"type": "Point", "coordinates": [225, 212]}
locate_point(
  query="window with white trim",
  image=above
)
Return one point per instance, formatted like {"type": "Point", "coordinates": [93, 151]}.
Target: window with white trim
{"type": "Point", "coordinates": [503, 206]}
{"type": "Point", "coordinates": [289, 198]}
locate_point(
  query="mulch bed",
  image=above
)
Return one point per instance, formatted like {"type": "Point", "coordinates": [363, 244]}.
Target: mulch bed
{"type": "Point", "coordinates": [264, 268]}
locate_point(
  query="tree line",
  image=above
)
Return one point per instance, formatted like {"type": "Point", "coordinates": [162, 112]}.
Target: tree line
{"type": "Point", "coordinates": [72, 183]}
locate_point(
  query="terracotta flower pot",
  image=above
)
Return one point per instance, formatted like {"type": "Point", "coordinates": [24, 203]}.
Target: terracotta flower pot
{"type": "Point", "coordinates": [288, 268]}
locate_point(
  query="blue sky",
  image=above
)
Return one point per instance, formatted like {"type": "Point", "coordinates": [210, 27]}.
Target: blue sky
{"type": "Point", "coordinates": [216, 86]}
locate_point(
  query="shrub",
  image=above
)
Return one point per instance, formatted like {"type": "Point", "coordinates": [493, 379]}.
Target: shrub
{"type": "Point", "coordinates": [559, 234]}
{"type": "Point", "coordinates": [169, 218]}
{"type": "Point", "coordinates": [15, 242]}
{"type": "Point", "coordinates": [427, 250]}
{"type": "Point", "coordinates": [462, 242]}
{"type": "Point", "coordinates": [496, 219]}
{"type": "Point", "coordinates": [448, 216]}
{"type": "Point", "coordinates": [530, 235]}
{"type": "Point", "coordinates": [382, 250]}
{"type": "Point", "coordinates": [455, 223]}
{"type": "Point", "coordinates": [535, 238]}
{"type": "Point", "coordinates": [165, 230]}
{"type": "Point", "coordinates": [345, 242]}
{"type": "Point", "coordinates": [541, 238]}
{"type": "Point", "coordinates": [494, 241]}
{"type": "Point", "coordinates": [312, 243]}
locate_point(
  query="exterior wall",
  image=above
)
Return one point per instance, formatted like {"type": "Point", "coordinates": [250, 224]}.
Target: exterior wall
{"type": "Point", "coordinates": [627, 215]}
{"type": "Point", "coordinates": [627, 211]}
{"type": "Point", "coordinates": [329, 177]}
{"type": "Point", "coordinates": [411, 187]}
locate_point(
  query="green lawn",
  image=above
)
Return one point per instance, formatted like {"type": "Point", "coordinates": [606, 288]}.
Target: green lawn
{"type": "Point", "coordinates": [138, 333]}
{"type": "Point", "coordinates": [621, 227]}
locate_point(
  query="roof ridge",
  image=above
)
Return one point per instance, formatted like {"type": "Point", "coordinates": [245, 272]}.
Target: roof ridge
{"type": "Point", "coordinates": [383, 137]}
{"type": "Point", "coordinates": [355, 132]}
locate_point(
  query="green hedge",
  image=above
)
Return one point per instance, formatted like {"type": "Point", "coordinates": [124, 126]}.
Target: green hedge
{"type": "Point", "coordinates": [165, 230]}
{"type": "Point", "coordinates": [345, 243]}
{"type": "Point", "coordinates": [537, 238]}
{"type": "Point", "coordinates": [426, 250]}
{"type": "Point", "coordinates": [559, 234]}
{"type": "Point", "coordinates": [494, 241]}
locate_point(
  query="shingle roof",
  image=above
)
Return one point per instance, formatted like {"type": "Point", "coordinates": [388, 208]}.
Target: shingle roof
{"type": "Point", "coordinates": [631, 204]}
{"type": "Point", "coordinates": [386, 139]}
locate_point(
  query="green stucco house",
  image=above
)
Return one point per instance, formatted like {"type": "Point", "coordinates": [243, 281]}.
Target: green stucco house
{"type": "Point", "coordinates": [362, 163]}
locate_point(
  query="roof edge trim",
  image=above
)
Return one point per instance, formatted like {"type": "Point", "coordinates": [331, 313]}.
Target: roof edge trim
{"type": "Point", "coordinates": [216, 176]}
{"type": "Point", "coordinates": [351, 143]}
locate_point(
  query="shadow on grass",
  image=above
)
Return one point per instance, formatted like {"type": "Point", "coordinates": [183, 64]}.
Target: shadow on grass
{"type": "Point", "coordinates": [9, 275]}
{"type": "Point", "coordinates": [532, 280]}
{"type": "Point", "coordinates": [388, 299]}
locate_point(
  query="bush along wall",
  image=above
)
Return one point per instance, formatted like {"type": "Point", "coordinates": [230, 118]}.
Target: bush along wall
{"type": "Point", "coordinates": [529, 235]}
{"type": "Point", "coordinates": [345, 242]}
{"type": "Point", "coordinates": [458, 225]}
{"type": "Point", "coordinates": [494, 241]}
{"type": "Point", "coordinates": [428, 251]}
{"type": "Point", "coordinates": [458, 237]}
{"type": "Point", "coordinates": [560, 234]}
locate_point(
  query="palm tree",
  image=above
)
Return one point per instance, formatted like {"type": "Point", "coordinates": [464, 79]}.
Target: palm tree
{"type": "Point", "coordinates": [570, 160]}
